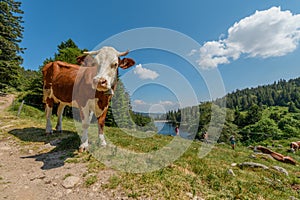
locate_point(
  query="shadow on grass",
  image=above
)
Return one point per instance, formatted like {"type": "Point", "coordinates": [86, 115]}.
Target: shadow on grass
{"type": "Point", "coordinates": [65, 144]}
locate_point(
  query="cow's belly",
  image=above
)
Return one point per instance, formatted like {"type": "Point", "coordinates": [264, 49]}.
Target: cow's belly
{"type": "Point", "coordinates": [90, 104]}
{"type": "Point", "coordinates": [71, 103]}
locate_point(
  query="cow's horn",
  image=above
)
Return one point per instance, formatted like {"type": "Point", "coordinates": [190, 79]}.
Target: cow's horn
{"type": "Point", "coordinates": [123, 53]}
{"type": "Point", "coordinates": [91, 52]}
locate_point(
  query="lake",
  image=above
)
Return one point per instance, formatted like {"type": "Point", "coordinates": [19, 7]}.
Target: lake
{"type": "Point", "coordinates": [167, 128]}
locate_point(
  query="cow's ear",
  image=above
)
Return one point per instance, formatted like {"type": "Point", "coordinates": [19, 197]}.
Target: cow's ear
{"type": "Point", "coordinates": [126, 63]}
{"type": "Point", "coordinates": [80, 59]}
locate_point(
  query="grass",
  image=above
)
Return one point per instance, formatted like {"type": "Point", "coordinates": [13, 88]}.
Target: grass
{"type": "Point", "coordinates": [189, 175]}
{"type": "Point", "coordinates": [114, 181]}
{"type": "Point", "coordinates": [91, 180]}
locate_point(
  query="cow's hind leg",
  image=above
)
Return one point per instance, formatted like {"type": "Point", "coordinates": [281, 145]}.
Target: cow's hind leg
{"type": "Point", "coordinates": [60, 111]}
{"type": "Point", "coordinates": [84, 113]}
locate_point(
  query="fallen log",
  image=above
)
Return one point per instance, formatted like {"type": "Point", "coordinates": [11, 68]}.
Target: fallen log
{"type": "Point", "coordinates": [277, 156]}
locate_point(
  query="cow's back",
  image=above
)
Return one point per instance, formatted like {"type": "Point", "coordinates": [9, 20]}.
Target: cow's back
{"type": "Point", "coordinates": [59, 78]}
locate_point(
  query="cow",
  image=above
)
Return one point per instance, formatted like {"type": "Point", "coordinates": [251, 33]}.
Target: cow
{"type": "Point", "coordinates": [294, 146]}
{"type": "Point", "coordinates": [87, 88]}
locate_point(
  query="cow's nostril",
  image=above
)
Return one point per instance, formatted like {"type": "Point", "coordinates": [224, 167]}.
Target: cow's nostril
{"type": "Point", "coordinates": [100, 82]}
{"type": "Point", "coordinates": [103, 81]}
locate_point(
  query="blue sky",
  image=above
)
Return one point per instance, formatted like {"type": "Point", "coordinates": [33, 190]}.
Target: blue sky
{"type": "Point", "coordinates": [241, 43]}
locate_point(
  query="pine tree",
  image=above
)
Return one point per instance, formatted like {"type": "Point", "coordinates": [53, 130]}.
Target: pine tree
{"type": "Point", "coordinates": [11, 30]}
{"type": "Point", "coordinates": [120, 107]}
{"type": "Point", "coordinates": [68, 51]}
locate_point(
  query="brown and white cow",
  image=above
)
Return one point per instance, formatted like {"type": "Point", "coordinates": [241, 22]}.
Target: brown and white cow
{"type": "Point", "coordinates": [295, 146]}
{"type": "Point", "coordinates": [87, 88]}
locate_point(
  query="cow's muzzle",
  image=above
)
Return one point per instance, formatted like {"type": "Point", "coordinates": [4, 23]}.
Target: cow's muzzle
{"type": "Point", "coordinates": [100, 84]}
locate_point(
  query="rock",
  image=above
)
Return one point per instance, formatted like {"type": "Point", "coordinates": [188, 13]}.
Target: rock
{"type": "Point", "coordinates": [281, 169]}
{"type": "Point", "coordinates": [230, 172]}
{"type": "Point", "coordinates": [70, 182]}
{"type": "Point", "coordinates": [38, 177]}
{"type": "Point", "coordinates": [30, 151]}
{"type": "Point", "coordinates": [254, 165]}
{"type": "Point", "coordinates": [69, 191]}
{"type": "Point", "coordinates": [252, 156]}
{"type": "Point", "coordinates": [48, 181]}
{"type": "Point", "coordinates": [42, 176]}
{"type": "Point", "coordinates": [263, 156]}
{"type": "Point", "coordinates": [233, 164]}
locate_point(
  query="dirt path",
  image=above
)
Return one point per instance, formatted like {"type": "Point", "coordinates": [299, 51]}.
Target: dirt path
{"type": "Point", "coordinates": [5, 100]}
{"type": "Point", "coordinates": [28, 174]}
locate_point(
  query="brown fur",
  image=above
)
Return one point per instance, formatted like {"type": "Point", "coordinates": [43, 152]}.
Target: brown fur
{"type": "Point", "coordinates": [295, 145]}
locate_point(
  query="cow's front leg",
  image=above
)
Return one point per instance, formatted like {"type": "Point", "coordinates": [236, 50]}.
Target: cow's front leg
{"type": "Point", "coordinates": [84, 113]}
{"type": "Point", "coordinates": [60, 111]}
{"type": "Point", "coordinates": [101, 121]}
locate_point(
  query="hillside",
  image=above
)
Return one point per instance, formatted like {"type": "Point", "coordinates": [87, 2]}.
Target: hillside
{"type": "Point", "coordinates": [36, 166]}
{"type": "Point", "coordinates": [280, 93]}
{"type": "Point", "coordinates": [252, 114]}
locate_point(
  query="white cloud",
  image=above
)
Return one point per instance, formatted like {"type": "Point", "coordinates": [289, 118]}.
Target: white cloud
{"type": "Point", "coordinates": [167, 103]}
{"type": "Point", "coordinates": [139, 102]}
{"type": "Point", "coordinates": [193, 52]}
{"type": "Point", "coordinates": [268, 33]}
{"type": "Point", "coordinates": [145, 73]}
{"type": "Point", "coordinates": [142, 106]}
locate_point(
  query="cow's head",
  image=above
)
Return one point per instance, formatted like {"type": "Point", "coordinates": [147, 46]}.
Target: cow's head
{"type": "Point", "coordinates": [108, 60]}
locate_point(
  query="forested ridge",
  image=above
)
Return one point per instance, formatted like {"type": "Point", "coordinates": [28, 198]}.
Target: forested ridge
{"type": "Point", "coordinates": [266, 112]}
{"type": "Point", "coordinates": [280, 93]}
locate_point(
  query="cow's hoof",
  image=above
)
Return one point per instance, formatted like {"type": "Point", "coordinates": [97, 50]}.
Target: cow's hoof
{"type": "Point", "coordinates": [49, 133]}
{"type": "Point", "coordinates": [59, 131]}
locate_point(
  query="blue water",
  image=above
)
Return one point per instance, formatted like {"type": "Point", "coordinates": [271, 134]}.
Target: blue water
{"type": "Point", "coordinates": [166, 128]}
